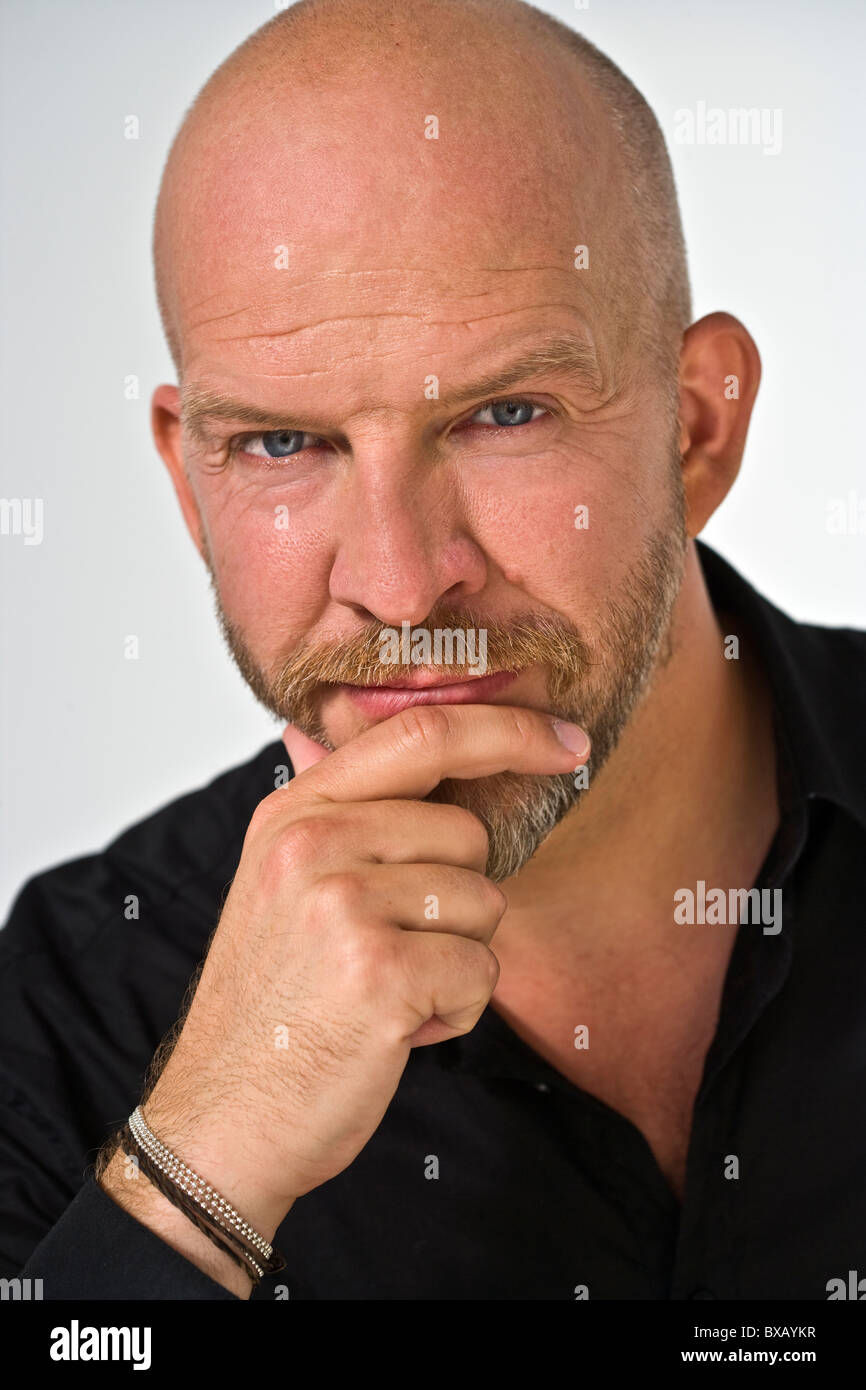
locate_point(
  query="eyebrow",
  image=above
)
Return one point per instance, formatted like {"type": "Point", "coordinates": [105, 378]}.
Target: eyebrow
{"type": "Point", "coordinates": [565, 354]}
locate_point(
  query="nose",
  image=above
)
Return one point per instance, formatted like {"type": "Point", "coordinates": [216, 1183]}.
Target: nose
{"type": "Point", "coordinates": [404, 542]}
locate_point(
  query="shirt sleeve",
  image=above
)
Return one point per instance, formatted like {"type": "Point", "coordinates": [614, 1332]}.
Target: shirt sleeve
{"type": "Point", "coordinates": [77, 1027]}
{"type": "Point", "coordinates": [97, 1250]}
{"type": "Point", "coordinates": [69, 1233]}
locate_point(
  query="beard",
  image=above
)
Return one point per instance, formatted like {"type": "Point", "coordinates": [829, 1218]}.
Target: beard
{"type": "Point", "coordinates": [596, 684]}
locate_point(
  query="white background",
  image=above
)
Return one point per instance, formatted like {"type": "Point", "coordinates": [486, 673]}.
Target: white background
{"type": "Point", "coordinates": [91, 741]}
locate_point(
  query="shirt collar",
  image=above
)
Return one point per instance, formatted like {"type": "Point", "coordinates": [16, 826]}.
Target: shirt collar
{"type": "Point", "coordinates": [812, 674]}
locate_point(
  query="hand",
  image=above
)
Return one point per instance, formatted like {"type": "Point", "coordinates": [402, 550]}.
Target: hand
{"type": "Point", "coordinates": [325, 970]}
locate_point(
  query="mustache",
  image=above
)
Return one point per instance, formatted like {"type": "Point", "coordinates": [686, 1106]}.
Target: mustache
{"type": "Point", "coordinates": [525, 640]}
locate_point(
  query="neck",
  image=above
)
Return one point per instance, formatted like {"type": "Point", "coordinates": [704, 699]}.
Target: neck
{"type": "Point", "coordinates": [689, 793]}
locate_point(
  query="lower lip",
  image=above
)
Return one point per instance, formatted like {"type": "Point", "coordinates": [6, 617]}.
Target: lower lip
{"type": "Point", "coordinates": [383, 700]}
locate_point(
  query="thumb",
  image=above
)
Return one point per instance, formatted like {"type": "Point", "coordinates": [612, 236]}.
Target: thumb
{"type": "Point", "coordinates": [303, 751]}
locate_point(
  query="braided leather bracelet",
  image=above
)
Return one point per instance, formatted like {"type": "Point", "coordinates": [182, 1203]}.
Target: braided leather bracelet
{"type": "Point", "coordinates": [183, 1203]}
{"type": "Point", "coordinates": [200, 1202]}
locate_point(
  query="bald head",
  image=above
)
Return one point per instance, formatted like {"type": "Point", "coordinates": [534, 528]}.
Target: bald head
{"type": "Point", "coordinates": [314, 135]}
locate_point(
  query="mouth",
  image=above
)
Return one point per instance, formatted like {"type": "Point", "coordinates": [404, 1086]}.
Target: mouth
{"type": "Point", "coordinates": [382, 700]}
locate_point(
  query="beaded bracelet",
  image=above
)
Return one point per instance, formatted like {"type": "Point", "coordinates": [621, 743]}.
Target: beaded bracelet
{"type": "Point", "coordinates": [186, 1205]}
{"type": "Point", "coordinates": [201, 1203]}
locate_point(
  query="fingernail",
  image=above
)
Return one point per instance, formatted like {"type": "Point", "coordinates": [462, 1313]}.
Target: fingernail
{"type": "Point", "coordinates": [572, 736]}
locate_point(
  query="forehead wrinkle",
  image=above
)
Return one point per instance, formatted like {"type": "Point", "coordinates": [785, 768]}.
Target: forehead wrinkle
{"type": "Point", "coordinates": [317, 323]}
{"type": "Point", "coordinates": [276, 335]}
{"type": "Point", "coordinates": [431, 275]}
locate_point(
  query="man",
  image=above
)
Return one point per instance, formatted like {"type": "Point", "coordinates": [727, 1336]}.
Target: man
{"type": "Point", "coordinates": [535, 970]}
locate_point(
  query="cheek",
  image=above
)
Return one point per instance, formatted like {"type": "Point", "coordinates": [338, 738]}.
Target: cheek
{"type": "Point", "coordinates": [567, 533]}
{"type": "Point", "coordinates": [271, 570]}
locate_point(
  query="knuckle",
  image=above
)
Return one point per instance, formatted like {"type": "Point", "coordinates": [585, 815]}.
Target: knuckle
{"type": "Point", "coordinates": [364, 960]}
{"type": "Point", "coordinates": [494, 897]}
{"type": "Point", "coordinates": [492, 965]}
{"type": "Point", "coordinates": [341, 894]}
{"type": "Point", "coordinates": [473, 831]}
{"type": "Point", "coordinates": [423, 729]}
{"type": "Point", "coordinates": [299, 844]}
{"type": "Point", "coordinates": [477, 964]}
{"type": "Point", "coordinates": [264, 813]}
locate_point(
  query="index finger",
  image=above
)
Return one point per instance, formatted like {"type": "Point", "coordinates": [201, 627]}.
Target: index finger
{"type": "Point", "coordinates": [408, 754]}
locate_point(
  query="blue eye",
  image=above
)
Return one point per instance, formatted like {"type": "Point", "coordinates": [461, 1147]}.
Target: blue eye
{"type": "Point", "coordinates": [508, 412]}
{"type": "Point", "coordinates": [278, 444]}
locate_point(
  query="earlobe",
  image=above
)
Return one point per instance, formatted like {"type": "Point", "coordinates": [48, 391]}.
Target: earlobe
{"type": "Point", "coordinates": [720, 370]}
{"type": "Point", "coordinates": [166, 428]}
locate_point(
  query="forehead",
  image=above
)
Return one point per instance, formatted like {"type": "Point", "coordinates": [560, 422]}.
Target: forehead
{"type": "Point", "coordinates": [382, 318]}
{"type": "Point", "coordinates": [331, 216]}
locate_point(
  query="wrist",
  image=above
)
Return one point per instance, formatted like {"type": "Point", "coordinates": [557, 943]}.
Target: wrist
{"type": "Point", "coordinates": [217, 1153]}
{"type": "Point", "coordinates": [129, 1187]}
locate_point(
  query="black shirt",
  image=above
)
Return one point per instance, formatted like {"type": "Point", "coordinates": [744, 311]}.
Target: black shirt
{"type": "Point", "coordinates": [543, 1191]}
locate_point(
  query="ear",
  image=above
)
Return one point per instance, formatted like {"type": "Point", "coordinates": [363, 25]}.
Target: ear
{"type": "Point", "coordinates": [720, 370]}
{"type": "Point", "coordinates": [166, 427]}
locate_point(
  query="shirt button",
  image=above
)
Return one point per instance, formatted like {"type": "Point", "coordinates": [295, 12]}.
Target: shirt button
{"type": "Point", "coordinates": [702, 1293]}
{"type": "Point", "coordinates": [542, 1086]}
